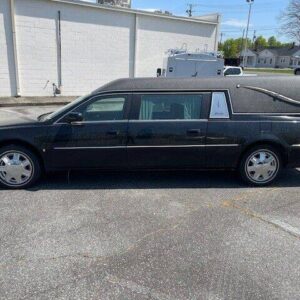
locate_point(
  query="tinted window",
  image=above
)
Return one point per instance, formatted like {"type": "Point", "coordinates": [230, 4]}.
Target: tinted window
{"type": "Point", "coordinates": [104, 109]}
{"type": "Point", "coordinates": [170, 107]}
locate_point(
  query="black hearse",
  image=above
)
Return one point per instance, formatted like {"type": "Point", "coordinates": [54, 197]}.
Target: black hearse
{"type": "Point", "coordinates": [250, 124]}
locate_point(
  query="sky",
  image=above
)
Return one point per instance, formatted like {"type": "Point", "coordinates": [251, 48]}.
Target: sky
{"type": "Point", "coordinates": [264, 17]}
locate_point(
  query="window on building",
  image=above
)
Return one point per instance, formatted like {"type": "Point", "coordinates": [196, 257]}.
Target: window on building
{"type": "Point", "coordinates": [271, 60]}
{"type": "Point", "coordinates": [171, 107]}
{"type": "Point", "coordinates": [265, 61]}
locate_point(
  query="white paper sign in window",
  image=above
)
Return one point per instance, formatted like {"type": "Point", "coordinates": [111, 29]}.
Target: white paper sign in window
{"type": "Point", "coordinates": [219, 108]}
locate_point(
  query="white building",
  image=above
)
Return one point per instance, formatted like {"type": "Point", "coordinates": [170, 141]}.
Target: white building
{"type": "Point", "coordinates": [286, 57]}
{"type": "Point", "coordinates": [80, 45]}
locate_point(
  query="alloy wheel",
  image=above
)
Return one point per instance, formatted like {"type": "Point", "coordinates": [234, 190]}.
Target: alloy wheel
{"type": "Point", "coordinates": [16, 168]}
{"type": "Point", "coordinates": [262, 166]}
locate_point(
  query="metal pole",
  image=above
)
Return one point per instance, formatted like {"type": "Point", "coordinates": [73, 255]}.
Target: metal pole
{"type": "Point", "coordinates": [59, 50]}
{"type": "Point", "coordinates": [246, 41]}
{"type": "Point", "coordinates": [15, 53]}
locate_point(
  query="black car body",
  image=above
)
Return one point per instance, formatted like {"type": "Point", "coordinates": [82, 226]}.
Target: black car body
{"type": "Point", "coordinates": [165, 124]}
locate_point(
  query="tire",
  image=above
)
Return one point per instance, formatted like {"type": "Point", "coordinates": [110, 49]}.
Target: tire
{"type": "Point", "coordinates": [297, 72]}
{"type": "Point", "coordinates": [263, 160]}
{"type": "Point", "coordinates": [19, 167]}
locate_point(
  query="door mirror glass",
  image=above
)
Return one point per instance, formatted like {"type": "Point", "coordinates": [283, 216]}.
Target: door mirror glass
{"type": "Point", "coordinates": [73, 117]}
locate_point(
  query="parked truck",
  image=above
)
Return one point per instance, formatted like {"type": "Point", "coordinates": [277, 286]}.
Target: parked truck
{"type": "Point", "coordinates": [181, 63]}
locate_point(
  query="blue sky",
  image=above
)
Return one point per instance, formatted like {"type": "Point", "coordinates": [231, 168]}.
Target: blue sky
{"type": "Point", "coordinates": [234, 13]}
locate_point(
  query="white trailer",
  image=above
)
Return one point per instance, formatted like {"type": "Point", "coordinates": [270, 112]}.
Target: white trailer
{"type": "Point", "coordinates": [180, 64]}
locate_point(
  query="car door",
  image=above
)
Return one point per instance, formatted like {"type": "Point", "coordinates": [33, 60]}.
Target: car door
{"type": "Point", "coordinates": [167, 130]}
{"type": "Point", "coordinates": [98, 141]}
{"type": "Point", "coordinates": [224, 135]}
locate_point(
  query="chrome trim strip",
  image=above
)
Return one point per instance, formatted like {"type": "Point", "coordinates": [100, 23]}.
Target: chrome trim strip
{"type": "Point", "coordinates": [85, 148]}
{"type": "Point", "coordinates": [296, 146]}
{"type": "Point", "coordinates": [147, 146]}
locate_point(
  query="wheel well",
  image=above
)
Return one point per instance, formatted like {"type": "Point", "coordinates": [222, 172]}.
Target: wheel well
{"type": "Point", "coordinates": [280, 148]}
{"type": "Point", "coordinates": [26, 145]}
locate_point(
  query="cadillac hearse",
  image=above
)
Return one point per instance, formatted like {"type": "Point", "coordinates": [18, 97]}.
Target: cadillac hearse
{"type": "Point", "coordinates": [248, 124]}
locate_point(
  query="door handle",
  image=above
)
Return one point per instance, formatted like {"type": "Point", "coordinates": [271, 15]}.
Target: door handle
{"type": "Point", "coordinates": [113, 132]}
{"type": "Point", "coordinates": [193, 132]}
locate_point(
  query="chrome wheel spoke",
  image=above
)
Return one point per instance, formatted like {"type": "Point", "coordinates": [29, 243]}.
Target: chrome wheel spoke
{"type": "Point", "coordinates": [16, 157]}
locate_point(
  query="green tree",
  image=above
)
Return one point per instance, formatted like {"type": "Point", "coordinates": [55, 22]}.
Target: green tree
{"type": "Point", "coordinates": [260, 43]}
{"type": "Point", "coordinates": [272, 42]}
{"type": "Point", "coordinates": [230, 48]}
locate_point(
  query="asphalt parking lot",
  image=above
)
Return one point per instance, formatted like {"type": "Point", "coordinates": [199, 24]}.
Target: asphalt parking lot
{"type": "Point", "coordinates": [192, 235]}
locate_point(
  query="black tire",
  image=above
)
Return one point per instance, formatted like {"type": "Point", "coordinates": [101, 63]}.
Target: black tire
{"type": "Point", "coordinates": [34, 167]}
{"type": "Point", "coordinates": [248, 176]}
{"type": "Point", "coordinates": [297, 72]}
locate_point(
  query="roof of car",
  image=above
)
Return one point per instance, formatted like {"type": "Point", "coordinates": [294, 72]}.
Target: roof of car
{"type": "Point", "coordinates": [275, 83]}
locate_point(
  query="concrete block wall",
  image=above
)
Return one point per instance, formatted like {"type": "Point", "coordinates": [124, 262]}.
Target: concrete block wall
{"type": "Point", "coordinates": [97, 45]}
{"type": "Point", "coordinates": [7, 69]}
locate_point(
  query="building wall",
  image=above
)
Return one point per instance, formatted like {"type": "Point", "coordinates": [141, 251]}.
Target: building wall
{"type": "Point", "coordinates": [97, 45]}
{"type": "Point", "coordinates": [155, 37]}
{"type": "Point", "coordinates": [283, 61]}
{"type": "Point", "coordinates": [7, 69]}
{"type": "Point", "coordinates": [266, 59]}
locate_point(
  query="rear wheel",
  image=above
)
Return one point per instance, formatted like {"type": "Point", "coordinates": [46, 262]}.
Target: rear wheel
{"type": "Point", "coordinates": [297, 72]}
{"type": "Point", "coordinates": [261, 165]}
{"type": "Point", "coordinates": [19, 167]}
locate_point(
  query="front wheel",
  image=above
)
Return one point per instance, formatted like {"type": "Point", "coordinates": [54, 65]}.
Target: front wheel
{"type": "Point", "coordinates": [297, 72]}
{"type": "Point", "coordinates": [19, 167]}
{"type": "Point", "coordinates": [261, 165]}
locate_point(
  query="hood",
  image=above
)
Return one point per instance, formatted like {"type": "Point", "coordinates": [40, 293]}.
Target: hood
{"type": "Point", "coordinates": [17, 121]}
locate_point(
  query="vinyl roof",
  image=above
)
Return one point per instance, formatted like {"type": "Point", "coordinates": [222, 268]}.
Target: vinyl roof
{"type": "Point", "coordinates": [145, 84]}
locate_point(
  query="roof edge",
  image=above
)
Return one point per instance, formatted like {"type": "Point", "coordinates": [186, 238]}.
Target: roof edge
{"type": "Point", "coordinates": [134, 11]}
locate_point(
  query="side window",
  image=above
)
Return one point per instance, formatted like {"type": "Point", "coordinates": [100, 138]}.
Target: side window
{"type": "Point", "coordinates": [219, 108]}
{"type": "Point", "coordinates": [104, 109]}
{"type": "Point", "coordinates": [171, 107]}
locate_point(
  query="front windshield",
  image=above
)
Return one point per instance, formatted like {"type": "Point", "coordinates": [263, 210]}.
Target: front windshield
{"type": "Point", "coordinates": [64, 108]}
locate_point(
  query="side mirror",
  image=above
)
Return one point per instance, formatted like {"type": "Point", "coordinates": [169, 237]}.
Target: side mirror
{"type": "Point", "coordinates": [73, 117]}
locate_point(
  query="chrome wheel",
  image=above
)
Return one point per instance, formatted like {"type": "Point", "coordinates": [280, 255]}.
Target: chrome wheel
{"type": "Point", "coordinates": [16, 168]}
{"type": "Point", "coordinates": [262, 166]}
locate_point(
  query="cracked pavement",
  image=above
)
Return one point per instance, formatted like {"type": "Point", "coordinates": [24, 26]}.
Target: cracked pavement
{"type": "Point", "coordinates": [150, 236]}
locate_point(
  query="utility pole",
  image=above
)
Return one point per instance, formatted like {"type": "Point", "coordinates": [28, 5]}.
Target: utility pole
{"type": "Point", "coordinates": [190, 10]}
{"type": "Point", "coordinates": [254, 36]}
{"type": "Point", "coordinates": [241, 46]}
{"type": "Point", "coordinates": [221, 39]}
{"type": "Point", "coordinates": [246, 41]}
